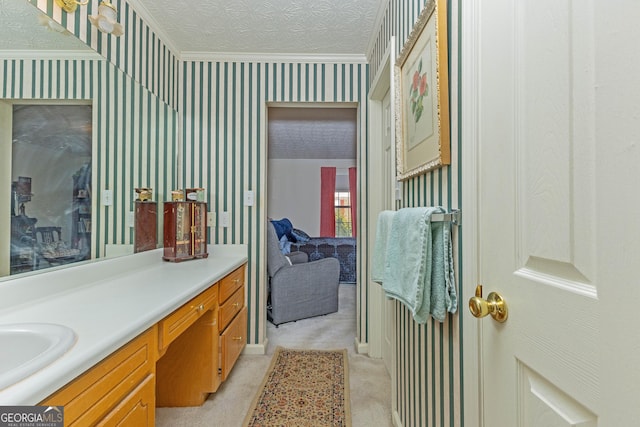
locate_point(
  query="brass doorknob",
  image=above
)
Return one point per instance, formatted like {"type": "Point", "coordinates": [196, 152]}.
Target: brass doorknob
{"type": "Point", "coordinates": [494, 305]}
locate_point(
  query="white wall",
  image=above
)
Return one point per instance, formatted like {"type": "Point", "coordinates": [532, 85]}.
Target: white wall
{"type": "Point", "coordinates": [294, 190]}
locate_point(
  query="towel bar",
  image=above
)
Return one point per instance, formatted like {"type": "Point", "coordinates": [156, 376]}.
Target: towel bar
{"type": "Point", "coordinates": [453, 217]}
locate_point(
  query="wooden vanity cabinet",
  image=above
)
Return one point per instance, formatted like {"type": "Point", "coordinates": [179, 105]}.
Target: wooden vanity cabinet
{"type": "Point", "coordinates": [200, 342]}
{"type": "Point", "coordinates": [119, 388]}
{"type": "Point", "coordinates": [187, 368]}
{"type": "Point", "coordinates": [232, 320]}
{"type": "Point", "coordinates": [179, 361]}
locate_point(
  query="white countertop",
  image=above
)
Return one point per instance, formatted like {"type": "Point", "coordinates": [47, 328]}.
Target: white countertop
{"type": "Point", "coordinates": [107, 303]}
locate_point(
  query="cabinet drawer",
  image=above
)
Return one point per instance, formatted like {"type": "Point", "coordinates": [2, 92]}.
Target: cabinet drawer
{"type": "Point", "coordinates": [232, 341]}
{"type": "Point", "coordinates": [91, 396]}
{"type": "Point", "coordinates": [178, 321]}
{"type": "Point", "coordinates": [136, 410]}
{"type": "Point", "coordinates": [231, 283]}
{"type": "Point", "coordinates": [230, 308]}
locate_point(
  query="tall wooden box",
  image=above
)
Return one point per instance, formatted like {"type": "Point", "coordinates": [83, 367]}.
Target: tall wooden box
{"type": "Point", "coordinates": [145, 225]}
{"type": "Point", "coordinates": [185, 230]}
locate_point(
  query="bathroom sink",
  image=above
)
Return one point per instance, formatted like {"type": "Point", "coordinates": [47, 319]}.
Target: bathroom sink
{"type": "Point", "coordinates": [25, 348]}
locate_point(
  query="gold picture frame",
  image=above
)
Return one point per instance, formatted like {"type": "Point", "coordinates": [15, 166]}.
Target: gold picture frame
{"type": "Point", "coordinates": [422, 95]}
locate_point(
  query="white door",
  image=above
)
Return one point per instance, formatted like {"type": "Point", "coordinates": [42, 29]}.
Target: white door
{"type": "Point", "coordinates": [557, 120]}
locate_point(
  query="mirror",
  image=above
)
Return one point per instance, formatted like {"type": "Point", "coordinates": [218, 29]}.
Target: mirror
{"type": "Point", "coordinates": [132, 140]}
{"type": "Point", "coordinates": [26, 31]}
{"type": "Point", "coordinates": [51, 153]}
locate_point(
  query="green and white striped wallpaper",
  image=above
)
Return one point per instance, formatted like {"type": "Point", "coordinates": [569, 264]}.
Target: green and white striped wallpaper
{"type": "Point", "coordinates": [223, 111]}
{"type": "Point", "coordinates": [139, 52]}
{"type": "Point", "coordinates": [224, 146]}
{"type": "Point", "coordinates": [134, 135]}
{"type": "Point", "coordinates": [429, 357]}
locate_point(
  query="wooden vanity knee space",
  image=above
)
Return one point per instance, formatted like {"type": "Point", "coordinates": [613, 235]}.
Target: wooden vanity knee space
{"type": "Point", "coordinates": [178, 361]}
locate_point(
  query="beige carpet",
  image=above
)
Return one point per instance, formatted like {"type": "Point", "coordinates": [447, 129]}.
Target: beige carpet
{"type": "Point", "coordinates": [369, 383]}
{"type": "Point", "coordinates": [303, 388]}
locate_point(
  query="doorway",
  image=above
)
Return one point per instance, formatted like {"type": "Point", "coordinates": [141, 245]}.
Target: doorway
{"type": "Point", "coordinates": [303, 138]}
{"type": "Point", "coordinates": [382, 157]}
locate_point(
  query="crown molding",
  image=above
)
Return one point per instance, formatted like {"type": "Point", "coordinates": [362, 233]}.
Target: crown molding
{"type": "Point", "coordinates": [141, 10]}
{"type": "Point", "coordinates": [51, 54]}
{"type": "Point", "coordinates": [273, 57]}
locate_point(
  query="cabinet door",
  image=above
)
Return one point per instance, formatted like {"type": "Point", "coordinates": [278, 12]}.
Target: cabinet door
{"type": "Point", "coordinates": [136, 410]}
{"type": "Point", "coordinates": [96, 392]}
{"type": "Point", "coordinates": [232, 341]}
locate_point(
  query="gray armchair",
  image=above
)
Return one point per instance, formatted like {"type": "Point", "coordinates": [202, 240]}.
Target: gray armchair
{"type": "Point", "coordinates": [299, 289]}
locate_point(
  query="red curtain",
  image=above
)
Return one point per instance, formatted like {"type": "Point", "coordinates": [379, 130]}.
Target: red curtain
{"type": "Point", "coordinates": [327, 202]}
{"type": "Point", "coordinates": [353, 193]}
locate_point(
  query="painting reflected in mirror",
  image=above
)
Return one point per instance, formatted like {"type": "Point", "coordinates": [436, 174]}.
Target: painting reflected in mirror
{"type": "Point", "coordinates": [51, 192]}
{"type": "Point", "coordinates": [52, 215]}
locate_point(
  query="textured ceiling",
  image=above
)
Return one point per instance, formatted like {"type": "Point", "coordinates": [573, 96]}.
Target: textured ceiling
{"type": "Point", "coordinates": [316, 27]}
{"type": "Point", "coordinates": [24, 28]}
{"type": "Point", "coordinates": [299, 27]}
{"type": "Point", "coordinates": [263, 27]}
{"type": "Point", "coordinates": [312, 133]}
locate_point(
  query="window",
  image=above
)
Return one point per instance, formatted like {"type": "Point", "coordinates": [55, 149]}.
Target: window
{"type": "Point", "coordinates": [342, 207]}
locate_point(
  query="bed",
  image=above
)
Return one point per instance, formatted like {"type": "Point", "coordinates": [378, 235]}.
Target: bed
{"type": "Point", "coordinates": [342, 248]}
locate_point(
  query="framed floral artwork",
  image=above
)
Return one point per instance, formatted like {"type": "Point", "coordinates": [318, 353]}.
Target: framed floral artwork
{"type": "Point", "coordinates": [422, 95]}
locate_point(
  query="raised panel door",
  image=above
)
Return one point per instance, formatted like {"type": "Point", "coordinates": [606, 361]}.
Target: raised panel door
{"type": "Point", "coordinates": [136, 410]}
{"type": "Point", "coordinates": [232, 342]}
{"type": "Point", "coordinates": [556, 134]}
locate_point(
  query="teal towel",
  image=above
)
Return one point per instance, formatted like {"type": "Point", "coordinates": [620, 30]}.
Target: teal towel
{"type": "Point", "coordinates": [407, 275]}
{"type": "Point", "coordinates": [419, 264]}
{"type": "Point", "coordinates": [444, 297]}
{"type": "Point", "coordinates": [378, 260]}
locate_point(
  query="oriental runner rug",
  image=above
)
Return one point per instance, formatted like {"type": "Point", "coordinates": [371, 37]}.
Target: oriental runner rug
{"type": "Point", "coordinates": [303, 388]}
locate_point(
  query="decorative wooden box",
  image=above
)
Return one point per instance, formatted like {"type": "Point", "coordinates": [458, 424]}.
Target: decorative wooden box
{"type": "Point", "coordinates": [145, 223]}
{"type": "Point", "coordinates": [185, 231]}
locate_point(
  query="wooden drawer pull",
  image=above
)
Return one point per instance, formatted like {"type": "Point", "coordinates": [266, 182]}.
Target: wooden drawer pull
{"type": "Point", "coordinates": [236, 304]}
{"type": "Point", "coordinates": [236, 338]}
